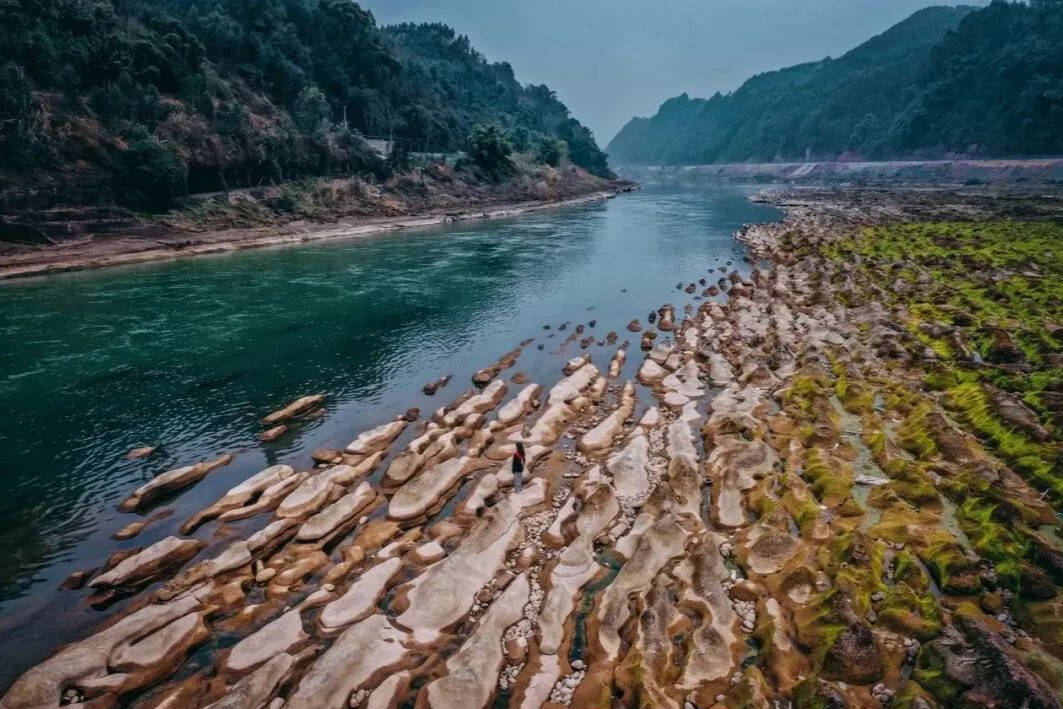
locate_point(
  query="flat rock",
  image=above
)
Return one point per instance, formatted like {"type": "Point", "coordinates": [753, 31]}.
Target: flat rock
{"type": "Point", "coordinates": [361, 598]}
{"type": "Point", "coordinates": [660, 543]}
{"type": "Point", "coordinates": [149, 563]}
{"type": "Point", "coordinates": [254, 690]}
{"type": "Point", "coordinates": [600, 438]}
{"type": "Point", "coordinates": [278, 636]}
{"type": "Point", "coordinates": [303, 403]}
{"type": "Point", "coordinates": [171, 481]}
{"type": "Point", "coordinates": [43, 684]}
{"type": "Point", "coordinates": [444, 593]}
{"type": "Point", "coordinates": [390, 692]}
{"type": "Point", "coordinates": [315, 492]}
{"type": "Point", "coordinates": [376, 439]}
{"type": "Point", "coordinates": [628, 467]}
{"type": "Point", "coordinates": [473, 669]}
{"type": "Point", "coordinates": [521, 405]}
{"type": "Point", "coordinates": [268, 500]}
{"type": "Point", "coordinates": [161, 652]}
{"type": "Point", "coordinates": [571, 386]}
{"type": "Point", "coordinates": [234, 557]}
{"type": "Point", "coordinates": [240, 495]}
{"type": "Point", "coordinates": [365, 651]}
{"type": "Point", "coordinates": [337, 514]}
{"type": "Point", "coordinates": [650, 372]}
{"type": "Point", "coordinates": [418, 495]}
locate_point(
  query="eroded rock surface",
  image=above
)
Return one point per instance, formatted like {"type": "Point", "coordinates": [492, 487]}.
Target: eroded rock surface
{"type": "Point", "coordinates": [833, 487]}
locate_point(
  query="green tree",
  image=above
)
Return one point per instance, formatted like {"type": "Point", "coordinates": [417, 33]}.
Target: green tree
{"type": "Point", "coordinates": [550, 150]}
{"type": "Point", "coordinates": [152, 174]}
{"type": "Point", "coordinates": [311, 109]}
{"type": "Point", "coordinates": [489, 149]}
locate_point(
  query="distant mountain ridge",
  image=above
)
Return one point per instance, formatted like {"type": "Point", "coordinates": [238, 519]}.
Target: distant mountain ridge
{"type": "Point", "coordinates": [945, 81]}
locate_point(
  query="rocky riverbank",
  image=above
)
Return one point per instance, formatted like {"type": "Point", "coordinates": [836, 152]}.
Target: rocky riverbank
{"type": "Point", "coordinates": [834, 485]}
{"type": "Point", "coordinates": [38, 243]}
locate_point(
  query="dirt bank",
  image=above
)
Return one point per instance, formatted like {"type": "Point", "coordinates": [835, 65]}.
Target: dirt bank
{"type": "Point", "coordinates": [284, 215]}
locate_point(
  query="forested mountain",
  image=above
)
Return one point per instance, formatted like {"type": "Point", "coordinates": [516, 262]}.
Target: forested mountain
{"type": "Point", "coordinates": [947, 80]}
{"type": "Point", "coordinates": [147, 99]}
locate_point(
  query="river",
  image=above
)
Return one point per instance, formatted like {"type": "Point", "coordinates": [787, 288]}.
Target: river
{"type": "Point", "coordinates": [190, 354]}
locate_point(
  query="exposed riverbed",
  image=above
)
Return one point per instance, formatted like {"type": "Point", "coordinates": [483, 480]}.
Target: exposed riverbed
{"type": "Point", "coordinates": [189, 355]}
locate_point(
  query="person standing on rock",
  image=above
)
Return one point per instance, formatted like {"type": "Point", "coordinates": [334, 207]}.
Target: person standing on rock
{"type": "Point", "coordinates": [518, 466]}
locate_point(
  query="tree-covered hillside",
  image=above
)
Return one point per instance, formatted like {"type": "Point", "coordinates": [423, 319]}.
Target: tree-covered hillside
{"type": "Point", "coordinates": [148, 99]}
{"type": "Point", "coordinates": [985, 82]}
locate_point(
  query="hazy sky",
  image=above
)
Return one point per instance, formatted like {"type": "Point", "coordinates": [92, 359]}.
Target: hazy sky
{"type": "Point", "coordinates": [609, 60]}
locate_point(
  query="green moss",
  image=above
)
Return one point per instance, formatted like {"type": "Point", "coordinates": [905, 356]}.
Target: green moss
{"type": "Point", "coordinates": [1036, 461]}
{"type": "Point", "coordinates": [831, 480]}
{"type": "Point", "coordinates": [914, 435]}
{"type": "Point", "coordinates": [750, 692]}
{"type": "Point", "coordinates": [980, 277]}
{"type": "Point", "coordinates": [802, 508]}
{"type": "Point", "coordinates": [908, 570]}
{"type": "Point", "coordinates": [1005, 546]}
{"type": "Point", "coordinates": [1043, 619]}
{"type": "Point", "coordinates": [1049, 667]}
{"type": "Point", "coordinates": [876, 441]}
{"type": "Point", "coordinates": [930, 674]}
{"type": "Point", "coordinates": [948, 564]}
{"type": "Point", "coordinates": [813, 693]}
{"type": "Point", "coordinates": [909, 612]}
{"type": "Point", "coordinates": [855, 396]}
{"type": "Point", "coordinates": [912, 696]}
{"type": "Point", "coordinates": [908, 482]}
{"type": "Point", "coordinates": [805, 388]}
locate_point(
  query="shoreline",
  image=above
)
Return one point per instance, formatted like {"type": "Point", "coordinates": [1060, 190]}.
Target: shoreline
{"type": "Point", "coordinates": [997, 172]}
{"type": "Point", "coordinates": [123, 251]}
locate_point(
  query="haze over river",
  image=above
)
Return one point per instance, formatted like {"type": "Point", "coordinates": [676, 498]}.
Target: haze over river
{"type": "Point", "coordinates": [190, 354]}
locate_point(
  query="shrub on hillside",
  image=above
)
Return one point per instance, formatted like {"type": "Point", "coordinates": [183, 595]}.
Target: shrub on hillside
{"type": "Point", "coordinates": [551, 151]}
{"type": "Point", "coordinates": [152, 174]}
{"type": "Point", "coordinates": [490, 151]}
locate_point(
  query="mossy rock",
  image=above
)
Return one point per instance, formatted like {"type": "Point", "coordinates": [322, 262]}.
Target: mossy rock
{"type": "Point", "coordinates": [842, 644]}
{"type": "Point", "coordinates": [905, 611]}
{"type": "Point", "coordinates": [949, 566]}
{"type": "Point", "coordinates": [914, 433]}
{"type": "Point", "coordinates": [912, 696]}
{"type": "Point", "coordinates": [908, 570]}
{"type": "Point", "coordinates": [1047, 666]}
{"type": "Point", "coordinates": [930, 674]}
{"type": "Point", "coordinates": [751, 692]}
{"type": "Point", "coordinates": [831, 479]}
{"type": "Point", "coordinates": [1044, 619]}
{"type": "Point", "coordinates": [815, 693]}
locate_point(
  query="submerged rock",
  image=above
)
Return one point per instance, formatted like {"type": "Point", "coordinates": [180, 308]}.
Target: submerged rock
{"type": "Point", "coordinates": [303, 403]}
{"type": "Point", "coordinates": [171, 481]}
{"type": "Point", "coordinates": [149, 563]}
{"type": "Point", "coordinates": [432, 387]}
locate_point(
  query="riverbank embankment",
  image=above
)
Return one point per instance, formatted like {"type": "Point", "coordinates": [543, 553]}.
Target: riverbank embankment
{"type": "Point", "coordinates": [286, 215]}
